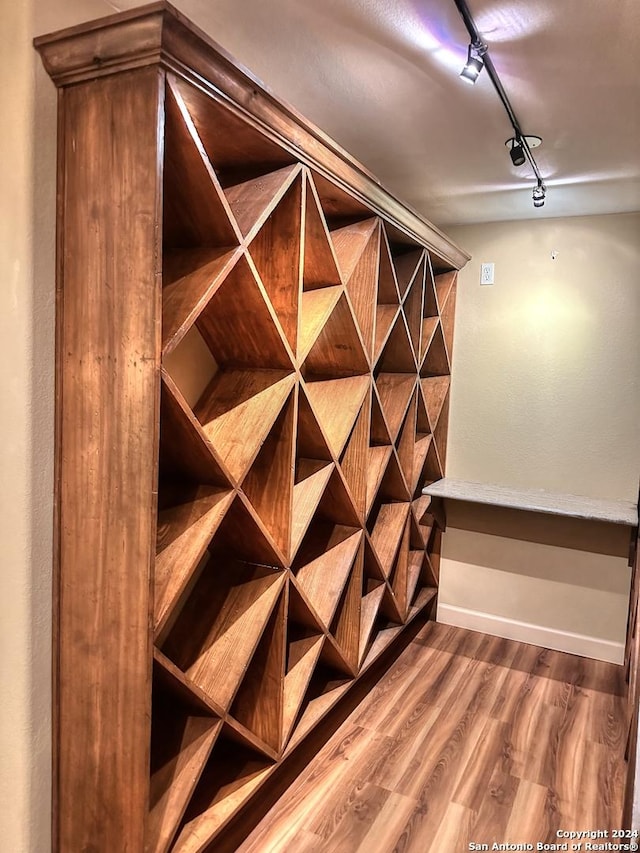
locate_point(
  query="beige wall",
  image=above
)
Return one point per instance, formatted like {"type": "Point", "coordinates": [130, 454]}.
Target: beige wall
{"type": "Point", "coordinates": [27, 258]}
{"type": "Point", "coordinates": [25, 456]}
{"type": "Point", "coordinates": [555, 582]}
{"type": "Point", "coordinates": [546, 374]}
{"type": "Point", "coordinates": [545, 395]}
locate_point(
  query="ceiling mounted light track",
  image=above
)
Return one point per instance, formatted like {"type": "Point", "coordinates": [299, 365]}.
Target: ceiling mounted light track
{"type": "Point", "coordinates": [519, 145]}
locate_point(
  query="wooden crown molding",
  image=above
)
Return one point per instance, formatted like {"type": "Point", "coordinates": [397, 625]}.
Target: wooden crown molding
{"type": "Point", "coordinates": [157, 34]}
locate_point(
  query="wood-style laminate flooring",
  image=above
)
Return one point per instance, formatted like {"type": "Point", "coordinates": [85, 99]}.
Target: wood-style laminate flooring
{"type": "Point", "coordinates": [466, 739]}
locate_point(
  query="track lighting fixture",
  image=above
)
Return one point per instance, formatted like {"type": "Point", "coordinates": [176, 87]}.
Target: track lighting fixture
{"type": "Point", "coordinates": [475, 61]}
{"type": "Point", "coordinates": [478, 58]}
{"type": "Point", "coordinates": [516, 151]}
{"type": "Point", "coordinates": [516, 147]}
{"type": "Point", "coordinates": [539, 193]}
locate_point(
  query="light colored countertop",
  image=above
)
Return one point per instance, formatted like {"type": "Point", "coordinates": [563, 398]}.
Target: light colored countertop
{"type": "Point", "coordinates": [573, 506]}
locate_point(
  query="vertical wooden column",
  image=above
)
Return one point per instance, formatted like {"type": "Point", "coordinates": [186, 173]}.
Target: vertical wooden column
{"type": "Point", "coordinates": [108, 327]}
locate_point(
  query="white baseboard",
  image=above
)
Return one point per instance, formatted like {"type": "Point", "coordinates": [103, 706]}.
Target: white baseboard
{"type": "Point", "coordinates": [537, 635]}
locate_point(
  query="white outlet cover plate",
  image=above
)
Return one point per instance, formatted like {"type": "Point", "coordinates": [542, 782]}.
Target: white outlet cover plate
{"type": "Point", "coordinates": [486, 273]}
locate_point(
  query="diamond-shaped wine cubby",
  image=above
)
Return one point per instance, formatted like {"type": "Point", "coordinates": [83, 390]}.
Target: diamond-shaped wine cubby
{"type": "Point", "coordinates": [218, 630]}
{"type": "Point", "coordinates": [354, 457]}
{"type": "Point", "coordinates": [440, 433]}
{"type": "Point", "coordinates": [395, 392]}
{"type": "Point", "coordinates": [357, 248]}
{"type": "Point", "coordinates": [269, 484]}
{"type": "Point", "coordinates": [274, 349]}
{"type": "Point", "coordinates": [336, 403]}
{"type": "Point", "coordinates": [446, 287]}
{"type": "Point", "coordinates": [430, 310]}
{"type": "Point", "coordinates": [235, 770]}
{"type": "Point", "coordinates": [196, 213]}
{"type": "Point", "coordinates": [188, 519]}
{"type": "Point", "coordinates": [184, 729]}
{"type": "Point", "coordinates": [388, 297]}
{"type": "Point", "coordinates": [413, 303]}
{"type": "Point", "coordinates": [275, 248]}
{"type": "Point", "coordinates": [305, 640]}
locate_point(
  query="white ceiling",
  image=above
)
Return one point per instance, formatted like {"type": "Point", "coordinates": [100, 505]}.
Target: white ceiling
{"type": "Point", "coordinates": [381, 78]}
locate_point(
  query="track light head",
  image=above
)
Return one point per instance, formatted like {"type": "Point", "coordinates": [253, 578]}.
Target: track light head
{"type": "Point", "coordinates": [516, 151]}
{"type": "Point", "coordinates": [472, 69]}
{"type": "Point", "coordinates": [539, 193]}
{"type": "Point", "coordinates": [517, 144]}
{"type": "Point", "coordinates": [475, 62]}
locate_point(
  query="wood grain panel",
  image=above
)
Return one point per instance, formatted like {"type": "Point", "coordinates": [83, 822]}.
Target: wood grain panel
{"type": "Point", "coordinates": [269, 483]}
{"type": "Point", "coordinates": [276, 253]}
{"type": "Point", "coordinates": [361, 274]}
{"type": "Point", "coordinates": [253, 200]}
{"type": "Point", "coordinates": [108, 401]}
{"type": "Point", "coordinates": [186, 525]}
{"type": "Point", "coordinates": [182, 747]}
{"type": "Point", "coordinates": [338, 348]}
{"type": "Point", "coordinates": [355, 457]}
{"type": "Point", "coordinates": [258, 704]}
{"type": "Point", "coordinates": [220, 626]}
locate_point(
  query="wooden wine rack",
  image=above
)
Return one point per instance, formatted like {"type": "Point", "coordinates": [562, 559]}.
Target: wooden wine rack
{"type": "Point", "coordinates": [245, 333]}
